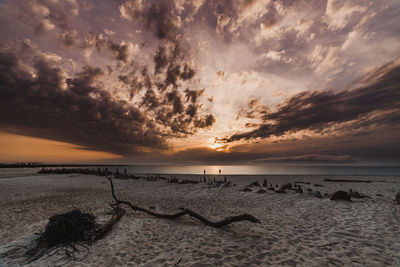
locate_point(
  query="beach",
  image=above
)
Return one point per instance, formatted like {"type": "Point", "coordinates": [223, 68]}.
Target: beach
{"type": "Point", "coordinates": [296, 229]}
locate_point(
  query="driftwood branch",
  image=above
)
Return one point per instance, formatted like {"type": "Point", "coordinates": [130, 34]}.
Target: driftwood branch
{"type": "Point", "coordinates": [107, 226]}
{"type": "Point", "coordinates": [226, 221]}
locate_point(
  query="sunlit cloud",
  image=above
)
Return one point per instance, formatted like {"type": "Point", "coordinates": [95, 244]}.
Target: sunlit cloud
{"type": "Point", "coordinates": [154, 78]}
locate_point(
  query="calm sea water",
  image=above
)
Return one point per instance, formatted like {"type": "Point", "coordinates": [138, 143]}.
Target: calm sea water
{"type": "Point", "coordinates": [258, 170]}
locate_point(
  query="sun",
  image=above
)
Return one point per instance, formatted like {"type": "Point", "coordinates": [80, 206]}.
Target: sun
{"type": "Point", "coordinates": [216, 146]}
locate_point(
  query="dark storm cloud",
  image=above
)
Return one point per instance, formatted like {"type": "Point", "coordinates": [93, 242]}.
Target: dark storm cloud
{"type": "Point", "coordinates": [41, 100]}
{"type": "Point", "coordinates": [161, 20]}
{"type": "Point", "coordinates": [172, 64]}
{"type": "Point", "coordinates": [193, 95]}
{"type": "Point", "coordinates": [81, 113]}
{"type": "Point", "coordinates": [120, 51]}
{"type": "Point", "coordinates": [191, 110]}
{"type": "Point", "coordinates": [178, 72]}
{"type": "Point", "coordinates": [150, 59]}
{"type": "Point", "coordinates": [317, 110]}
{"type": "Point", "coordinates": [382, 147]}
{"type": "Point", "coordinates": [150, 99]}
{"type": "Point", "coordinates": [175, 99]}
{"type": "Point", "coordinates": [205, 121]}
{"type": "Point", "coordinates": [161, 59]}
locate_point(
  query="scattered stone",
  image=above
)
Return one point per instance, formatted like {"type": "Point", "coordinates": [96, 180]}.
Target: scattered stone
{"type": "Point", "coordinates": [287, 186]}
{"type": "Point", "coordinates": [246, 189]}
{"type": "Point", "coordinates": [379, 195]}
{"type": "Point", "coordinates": [281, 191]}
{"type": "Point", "coordinates": [341, 195]}
{"type": "Point", "coordinates": [271, 188]}
{"type": "Point", "coordinates": [261, 191]}
{"type": "Point", "coordinates": [265, 183]}
{"type": "Point", "coordinates": [398, 198]}
{"type": "Point", "coordinates": [299, 190]}
{"type": "Point", "coordinates": [321, 185]}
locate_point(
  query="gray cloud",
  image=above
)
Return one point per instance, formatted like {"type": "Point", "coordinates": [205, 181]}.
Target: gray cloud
{"type": "Point", "coordinates": [87, 65]}
{"type": "Point", "coordinates": [82, 113]}
{"type": "Point", "coordinates": [43, 102]}
{"type": "Point", "coordinates": [317, 110]}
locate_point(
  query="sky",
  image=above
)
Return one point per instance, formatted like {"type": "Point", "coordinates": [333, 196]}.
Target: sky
{"type": "Point", "coordinates": [194, 82]}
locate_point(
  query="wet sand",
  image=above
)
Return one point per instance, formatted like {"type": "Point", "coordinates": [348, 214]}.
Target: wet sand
{"type": "Point", "coordinates": [295, 230]}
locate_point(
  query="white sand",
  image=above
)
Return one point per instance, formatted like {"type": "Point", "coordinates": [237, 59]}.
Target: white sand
{"type": "Point", "coordinates": [293, 232]}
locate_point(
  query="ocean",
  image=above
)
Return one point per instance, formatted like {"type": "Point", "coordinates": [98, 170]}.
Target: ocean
{"type": "Point", "coordinates": [258, 169]}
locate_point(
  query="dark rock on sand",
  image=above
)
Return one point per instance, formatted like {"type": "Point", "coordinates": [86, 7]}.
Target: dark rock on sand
{"type": "Point", "coordinates": [398, 198]}
{"type": "Point", "coordinates": [246, 189]}
{"type": "Point", "coordinates": [379, 195]}
{"type": "Point", "coordinates": [287, 186]}
{"type": "Point", "coordinates": [271, 188]}
{"type": "Point", "coordinates": [281, 191]}
{"type": "Point", "coordinates": [299, 190]}
{"type": "Point", "coordinates": [309, 190]}
{"type": "Point", "coordinates": [341, 195]}
{"type": "Point", "coordinates": [321, 185]}
{"type": "Point", "coordinates": [261, 191]}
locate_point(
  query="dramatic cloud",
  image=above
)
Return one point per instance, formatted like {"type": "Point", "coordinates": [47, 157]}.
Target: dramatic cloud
{"type": "Point", "coordinates": [229, 80]}
{"type": "Point", "coordinates": [318, 110]}
{"type": "Point", "coordinates": [76, 109]}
